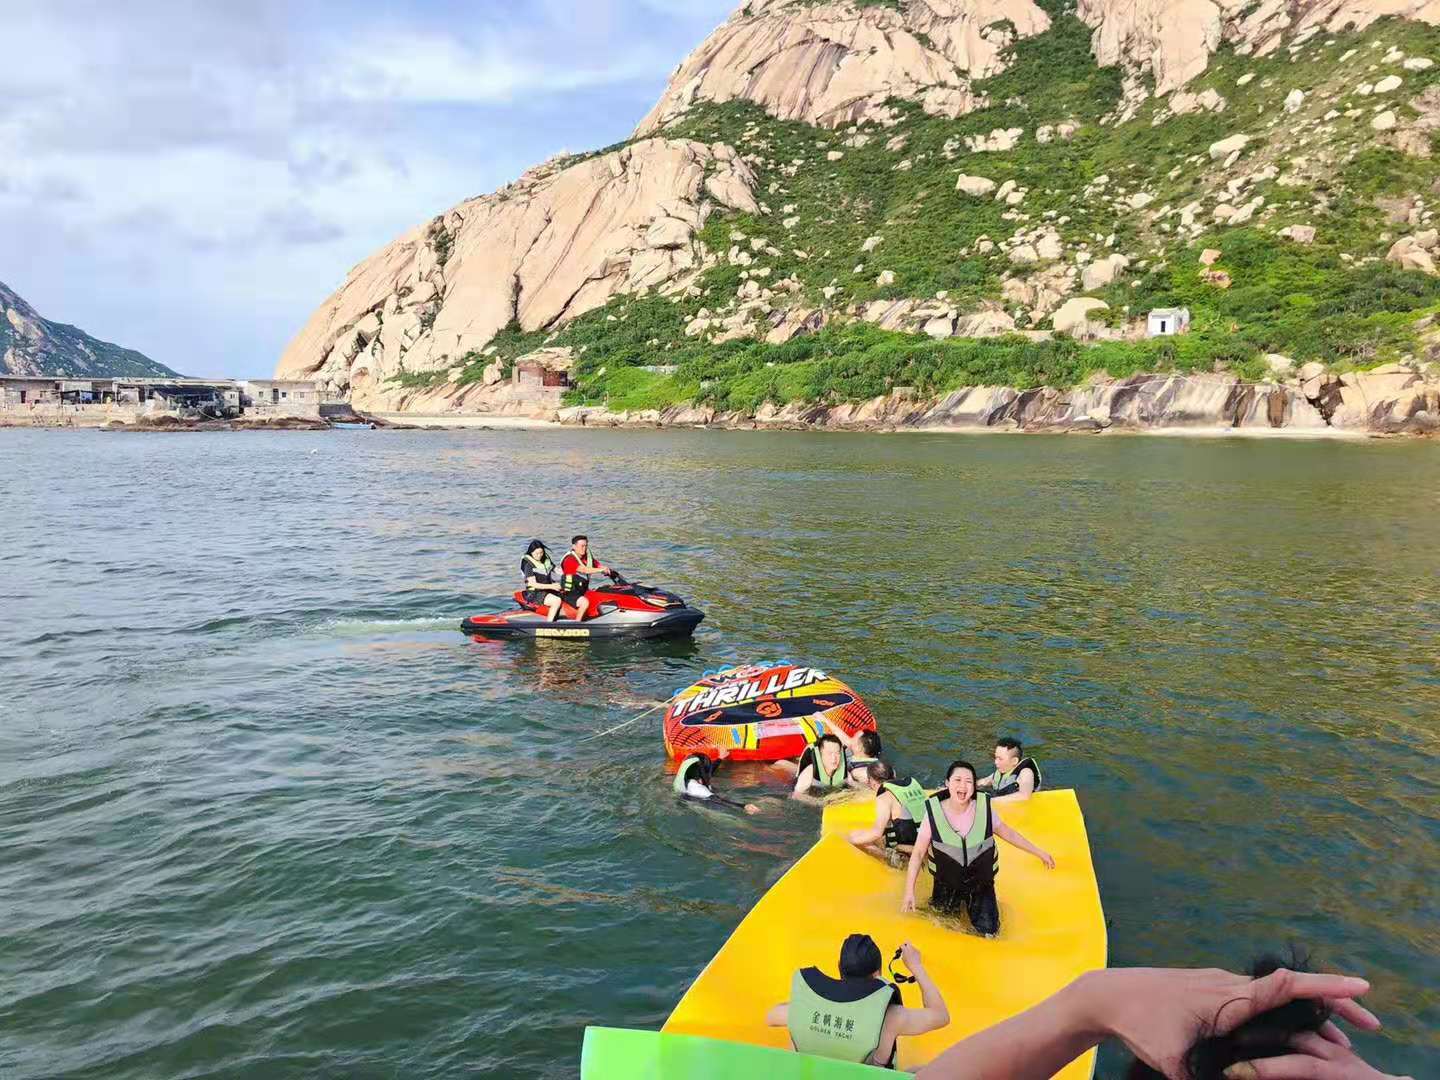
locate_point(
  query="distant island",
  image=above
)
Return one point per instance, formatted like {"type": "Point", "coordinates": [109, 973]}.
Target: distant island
{"type": "Point", "coordinates": [33, 345]}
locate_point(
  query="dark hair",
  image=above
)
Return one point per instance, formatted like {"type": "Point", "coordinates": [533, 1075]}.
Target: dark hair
{"type": "Point", "coordinates": [870, 743]}
{"type": "Point", "coordinates": [576, 539]}
{"type": "Point", "coordinates": [960, 763]}
{"type": "Point", "coordinates": [859, 956]}
{"type": "Point", "coordinates": [1011, 744]}
{"type": "Point", "coordinates": [827, 737]}
{"type": "Point", "coordinates": [1267, 1035]}
{"type": "Point", "coordinates": [881, 771]}
{"type": "Point", "coordinates": [534, 546]}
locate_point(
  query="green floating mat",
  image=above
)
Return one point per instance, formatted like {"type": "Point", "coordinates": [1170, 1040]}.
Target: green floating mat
{"type": "Point", "coordinates": [621, 1054]}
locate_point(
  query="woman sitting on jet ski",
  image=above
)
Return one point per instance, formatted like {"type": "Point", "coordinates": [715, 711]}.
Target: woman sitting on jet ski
{"type": "Point", "coordinates": [540, 584]}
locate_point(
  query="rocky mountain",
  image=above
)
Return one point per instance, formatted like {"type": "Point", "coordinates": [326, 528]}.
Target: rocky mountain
{"type": "Point", "coordinates": [31, 345]}
{"type": "Point", "coordinates": [835, 203]}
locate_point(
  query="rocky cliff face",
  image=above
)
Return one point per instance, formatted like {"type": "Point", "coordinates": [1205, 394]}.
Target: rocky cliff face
{"type": "Point", "coordinates": [31, 345]}
{"type": "Point", "coordinates": [560, 241]}
{"type": "Point", "coordinates": [949, 171]}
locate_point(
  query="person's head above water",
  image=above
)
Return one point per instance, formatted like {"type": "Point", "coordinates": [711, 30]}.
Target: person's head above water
{"type": "Point", "coordinates": [960, 781]}
{"type": "Point", "coordinates": [1008, 753]}
{"type": "Point", "coordinates": [580, 543]}
{"type": "Point", "coordinates": [537, 548]}
{"type": "Point", "coordinates": [879, 772]}
{"type": "Point", "coordinates": [870, 743]}
{"type": "Point", "coordinates": [830, 750]}
{"type": "Point", "coordinates": [859, 957]}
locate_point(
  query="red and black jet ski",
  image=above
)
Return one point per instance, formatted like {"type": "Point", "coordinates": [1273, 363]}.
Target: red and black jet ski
{"type": "Point", "coordinates": [619, 609]}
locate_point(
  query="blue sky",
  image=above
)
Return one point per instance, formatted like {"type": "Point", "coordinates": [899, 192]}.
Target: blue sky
{"type": "Point", "coordinates": [192, 180]}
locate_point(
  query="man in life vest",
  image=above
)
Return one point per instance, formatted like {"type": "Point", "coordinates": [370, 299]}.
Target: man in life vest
{"type": "Point", "coordinates": [575, 571]}
{"type": "Point", "coordinates": [823, 770]}
{"type": "Point", "coordinates": [899, 809]}
{"type": "Point", "coordinates": [1016, 777]}
{"type": "Point", "coordinates": [694, 779]}
{"type": "Point", "coordinates": [858, 1017]}
{"type": "Point", "coordinates": [860, 752]}
{"type": "Point", "coordinates": [540, 584]}
{"type": "Point", "coordinates": [958, 836]}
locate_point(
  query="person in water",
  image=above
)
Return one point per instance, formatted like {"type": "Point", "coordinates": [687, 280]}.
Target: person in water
{"type": "Point", "coordinates": [575, 571]}
{"type": "Point", "coordinates": [540, 584]}
{"type": "Point", "coordinates": [864, 751]}
{"type": "Point", "coordinates": [1179, 1023]}
{"type": "Point", "coordinates": [899, 809]}
{"type": "Point", "coordinates": [1016, 777]}
{"type": "Point", "coordinates": [858, 1017]}
{"type": "Point", "coordinates": [694, 779]}
{"type": "Point", "coordinates": [860, 750]}
{"type": "Point", "coordinates": [958, 833]}
{"type": "Point", "coordinates": [823, 769]}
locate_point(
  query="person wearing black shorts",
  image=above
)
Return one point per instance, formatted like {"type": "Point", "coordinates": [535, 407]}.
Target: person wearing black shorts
{"type": "Point", "coordinates": [575, 571]}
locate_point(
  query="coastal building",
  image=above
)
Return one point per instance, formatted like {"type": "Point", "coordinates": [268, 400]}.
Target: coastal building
{"type": "Point", "coordinates": [539, 376]}
{"type": "Point", "coordinates": [124, 399]}
{"type": "Point", "coordinates": [1166, 322]}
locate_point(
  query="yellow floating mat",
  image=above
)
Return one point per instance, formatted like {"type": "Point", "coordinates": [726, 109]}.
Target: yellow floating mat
{"type": "Point", "coordinates": [1052, 929]}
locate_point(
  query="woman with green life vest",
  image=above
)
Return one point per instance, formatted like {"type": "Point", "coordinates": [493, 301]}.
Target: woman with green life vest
{"type": "Point", "coordinates": [899, 809]}
{"type": "Point", "coordinates": [858, 1017]}
{"type": "Point", "coordinates": [540, 584]}
{"type": "Point", "coordinates": [958, 835]}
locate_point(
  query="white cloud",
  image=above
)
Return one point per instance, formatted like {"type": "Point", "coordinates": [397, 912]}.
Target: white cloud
{"type": "Point", "coordinates": [176, 177]}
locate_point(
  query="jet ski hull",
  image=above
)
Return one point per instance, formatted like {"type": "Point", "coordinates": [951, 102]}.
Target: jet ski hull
{"type": "Point", "coordinates": [674, 622]}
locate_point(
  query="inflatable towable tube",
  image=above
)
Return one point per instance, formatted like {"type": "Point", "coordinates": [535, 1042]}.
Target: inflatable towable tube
{"type": "Point", "coordinates": [761, 712]}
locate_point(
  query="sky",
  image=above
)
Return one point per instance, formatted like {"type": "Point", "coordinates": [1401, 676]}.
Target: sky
{"type": "Point", "coordinates": [192, 179]}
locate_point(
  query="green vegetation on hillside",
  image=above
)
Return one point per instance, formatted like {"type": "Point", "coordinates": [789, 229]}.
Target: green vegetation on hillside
{"type": "Point", "coordinates": [1334, 300]}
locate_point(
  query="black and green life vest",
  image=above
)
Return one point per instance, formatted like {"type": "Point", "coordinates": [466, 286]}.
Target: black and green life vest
{"type": "Point", "coordinates": [860, 764]}
{"type": "Point", "coordinates": [694, 767]}
{"type": "Point", "coordinates": [827, 781]}
{"type": "Point", "coordinates": [975, 848]}
{"type": "Point", "coordinates": [1009, 783]}
{"type": "Point", "coordinates": [579, 582]}
{"type": "Point", "coordinates": [841, 1019]}
{"type": "Point", "coordinates": [910, 795]}
{"type": "Point", "coordinates": [542, 569]}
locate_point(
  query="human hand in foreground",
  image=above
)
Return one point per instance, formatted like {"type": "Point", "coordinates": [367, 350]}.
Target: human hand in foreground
{"type": "Point", "coordinates": [751, 808]}
{"type": "Point", "coordinates": [1316, 1057]}
{"type": "Point", "coordinates": [908, 903]}
{"type": "Point", "coordinates": [910, 957]}
{"type": "Point", "coordinates": [1048, 860]}
{"type": "Point", "coordinates": [1156, 1012]}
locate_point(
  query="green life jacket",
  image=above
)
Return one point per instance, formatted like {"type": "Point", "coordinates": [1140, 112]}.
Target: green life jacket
{"type": "Point", "coordinates": [829, 781]}
{"type": "Point", "coordinates": [1009, 783]}
{"type": "Point", "coordinates": [575, 582]}
{"type": "Point", "coordinates": [840, 1019]}
{"type": "Point", "coordinates": [910, 796]}
{"type": "Point", "coordinates": [965, 850]}
{"type": "Point", "coordinates": [542, 568]}
{"type": "Point", "coordinates": [687, 772]}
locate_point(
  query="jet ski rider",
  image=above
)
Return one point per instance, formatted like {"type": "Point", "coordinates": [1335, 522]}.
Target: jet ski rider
{"type": "Point", "coordinates": [575, 571]}
{"type": "Point", "coordinates": [540, 584]}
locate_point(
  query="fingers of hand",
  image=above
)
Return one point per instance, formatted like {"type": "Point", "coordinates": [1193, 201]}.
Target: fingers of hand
{"type": "Point", "coordinates": [1291, 1067]}
{"type": "Point", "coordinates": [1329, 1031]}
{"type": "Point", "coordinates": [1354, 1013]}
{"type": "Point", "coordinates": [1309, 1042]}
{"type": "Point", "coordinates": [1283, 986]}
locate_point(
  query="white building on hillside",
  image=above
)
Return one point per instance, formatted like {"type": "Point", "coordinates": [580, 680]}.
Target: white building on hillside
{"type": "Point", "coordinates": [1165, 321]}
